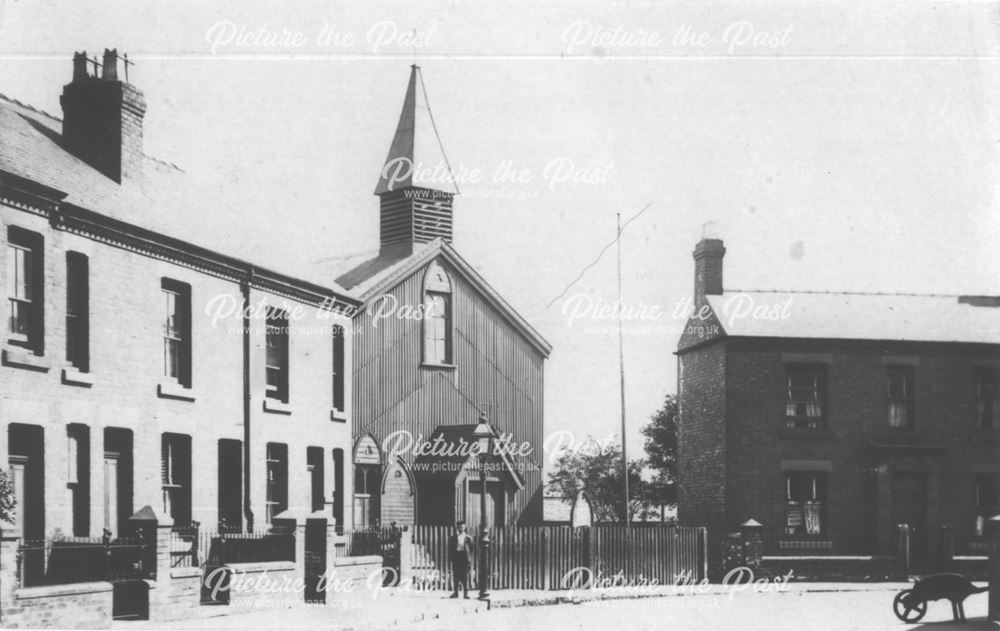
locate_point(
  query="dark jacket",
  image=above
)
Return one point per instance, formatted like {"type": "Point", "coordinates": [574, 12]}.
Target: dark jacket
{"type": "Point", "coordinates": [456, 554]}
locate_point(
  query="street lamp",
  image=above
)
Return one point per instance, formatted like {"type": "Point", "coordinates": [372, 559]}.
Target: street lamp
{"type": "Point", "coordinates": [483, 435]}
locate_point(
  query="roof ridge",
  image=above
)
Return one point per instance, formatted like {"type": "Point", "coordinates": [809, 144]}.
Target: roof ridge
{"type": "Point", "coordinates": [844, 293]}
{"type": "Point", "coordinates": [56, 119]}
{"type": "Point", "coordinates": [29, 107]}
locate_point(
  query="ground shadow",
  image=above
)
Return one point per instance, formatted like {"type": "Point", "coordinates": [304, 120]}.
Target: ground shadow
{"type": "Point", "coordinates": [971, 624]}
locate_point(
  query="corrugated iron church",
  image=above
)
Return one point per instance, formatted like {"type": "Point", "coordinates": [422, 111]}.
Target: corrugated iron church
{"type": "Point", "coordinates": [436, 347]}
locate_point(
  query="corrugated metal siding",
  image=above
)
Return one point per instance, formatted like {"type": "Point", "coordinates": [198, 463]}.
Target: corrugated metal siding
{"type": "Point", "coordinates": [494, 364]}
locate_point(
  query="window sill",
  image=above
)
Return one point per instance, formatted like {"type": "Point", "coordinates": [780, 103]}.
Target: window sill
{"type": "Point", "coordinates": [808, 434]}
{"type": "Point", "coordinates": [338, 416]}
{"type": "Point", "coordinates": [437, 366]}
{"type": "Point", "coordinates": [72, 376]}
{"type": "Point", "coordinates": [23, 358]}
{"type": "Point", "coordinates": [802, 542]}
{"type": "Point", "coordinates": [275, 406]}
{"type": "Point", "coordinates": [170, 390]}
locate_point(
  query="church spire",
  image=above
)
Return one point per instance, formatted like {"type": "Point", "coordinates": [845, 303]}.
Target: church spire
{"type": "Point", "coordinates": [416, 157]}
{"type": "Point", "coordinates": [416, 184]}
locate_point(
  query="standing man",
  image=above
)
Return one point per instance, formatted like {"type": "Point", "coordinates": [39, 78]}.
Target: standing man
{"type": "Point", "coordinates": [460, 553]}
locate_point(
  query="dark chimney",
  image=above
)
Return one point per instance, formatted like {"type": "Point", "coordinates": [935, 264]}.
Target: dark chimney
{"type": "Point", "coordinates": [102, 118]}
{"type": "Point", "coordinates": [708, 256]}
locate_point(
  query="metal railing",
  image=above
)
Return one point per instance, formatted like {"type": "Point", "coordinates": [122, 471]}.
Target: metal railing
{"type": "Point", "coordinates": [68, 560]}
{"type": "Point", "coordinates": [193, 547]}
{"type": "Point", "coordinates": [368, 541]}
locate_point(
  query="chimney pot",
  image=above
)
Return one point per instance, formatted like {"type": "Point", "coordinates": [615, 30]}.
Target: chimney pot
{"type": "Point", "coordinates": [80, 66]}
{"type": "Point", "coordinates": [109, 71]}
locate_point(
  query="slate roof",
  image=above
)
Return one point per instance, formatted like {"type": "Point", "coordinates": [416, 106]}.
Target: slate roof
{"type": "Point", "coordinates": [32, 148]}
{"type": "Point", "coordinates": [859, 316]}
{"type": "Point", "coordinates": [368, 276]}
{"type": "Point", "coordinates": [167, 202]}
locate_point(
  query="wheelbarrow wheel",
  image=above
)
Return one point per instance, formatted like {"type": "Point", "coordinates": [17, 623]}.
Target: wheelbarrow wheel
{"type": "Point", "coordinates": [905, 613]}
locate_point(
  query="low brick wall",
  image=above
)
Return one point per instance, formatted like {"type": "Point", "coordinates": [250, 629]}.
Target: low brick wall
{"type": "Point", "coordinates": [75, 606]}
{"type": "Point", "coordinates": [975, 568]}
{"type": "Point", "coordinates": [265, 585]}
{"type": "Point", "coordinates": [818, 568]}
{"type": "Point", "coordinates": [349, 576]}
{"type": "Point", "coordinates": [177, 598]}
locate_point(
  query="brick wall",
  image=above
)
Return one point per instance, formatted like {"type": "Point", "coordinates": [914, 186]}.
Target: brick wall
{"type": "Point", "coordinates": [80, 606]}
{"type": "Point", "coordinates": [263, 585]}
{"type": "Point", "coordinates": [351, 577]}
{"type": "Point", "coordinates": [180, 597]}
{"type": "Point", "coordinates": [759, 446]}
{"type": "Point", "coordinates": [814, 569]}
{"type": "Point", "coordinates": [702, 442]}
{"type": "Point", "coordinates": [126, 368]}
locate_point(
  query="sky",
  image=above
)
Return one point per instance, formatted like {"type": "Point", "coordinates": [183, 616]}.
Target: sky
{"type": "Point", "coordinates": [848, 146]}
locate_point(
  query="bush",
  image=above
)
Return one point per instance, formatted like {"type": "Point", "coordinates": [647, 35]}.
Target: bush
{"type": "Point", "coordinates": [7, 500]}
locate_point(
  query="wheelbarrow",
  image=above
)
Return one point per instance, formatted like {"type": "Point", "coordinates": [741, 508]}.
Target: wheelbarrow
{"type": "Point", "coordinates": [910, 605]}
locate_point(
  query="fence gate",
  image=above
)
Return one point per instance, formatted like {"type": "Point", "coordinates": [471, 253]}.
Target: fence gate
{"type": "Point", "coordinates": [389, 544]}
{"type": "Point", "coordinates": [130, 594]}
{"type": "Point", "coordinates": [315, 565]}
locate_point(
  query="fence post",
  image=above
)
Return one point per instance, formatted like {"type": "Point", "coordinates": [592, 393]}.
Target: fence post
{"type": "Point", "coordinates": [546, 579]}
{"type": "Point", "coordinates": [406, 555]}
{"type": "Point", "coordinates": [993, 535]}
{"type": "Point", "coordinates": [9, 542]}
{"type": "Point", "coordinates": [903, 547]}
{"type": "Point", "coordinates": [296, 525]}
{"type": "Point", "coordinates": [155, 532]}
{"type": "Point", "coordinates": [587, 556]}
{"type": "Point", "coordinates": [703, 552]}
{"type": "Point", "coordinates": [947, 545]}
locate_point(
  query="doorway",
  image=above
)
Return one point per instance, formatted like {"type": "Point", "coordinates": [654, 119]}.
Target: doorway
{"type": "Point", "coordinates": [909, 506]}
{"type": "Point", "coordinates": [495, 517]}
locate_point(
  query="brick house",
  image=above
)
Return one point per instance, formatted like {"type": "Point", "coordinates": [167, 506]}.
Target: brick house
{"type": "Point", "coordinates": [436, 348]}
{"type": "Point", "coordinates": [119, 387]}
{"type": "Point", "coordinates": [833, 417]}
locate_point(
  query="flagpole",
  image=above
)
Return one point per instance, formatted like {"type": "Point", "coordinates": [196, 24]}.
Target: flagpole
{"type": "Point", "coordinates": [621, 371]}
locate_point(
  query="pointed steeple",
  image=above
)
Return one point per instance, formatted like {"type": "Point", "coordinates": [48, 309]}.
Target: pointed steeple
{"type": "Point", "coordinates": [416, 184]}
{"type": "Point", "coordinates": [416, 158]}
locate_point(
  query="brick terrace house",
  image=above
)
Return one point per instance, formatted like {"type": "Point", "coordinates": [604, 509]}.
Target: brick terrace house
{"type": "Point", "coordinates": [467, 352]}
{"type": "Point", "coordinates": [832, 417]}
{"type": "Point", "coordinates": [117, 389]}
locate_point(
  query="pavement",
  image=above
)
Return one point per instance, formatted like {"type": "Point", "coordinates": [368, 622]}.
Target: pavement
{"type": "Point", "coordinates": [807, 605]}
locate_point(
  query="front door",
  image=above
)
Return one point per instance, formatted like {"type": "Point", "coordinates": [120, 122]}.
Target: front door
{"type": "Point", "coordinates": [397, 496]}
{"type": "Point", "coordinates": [909, 506]}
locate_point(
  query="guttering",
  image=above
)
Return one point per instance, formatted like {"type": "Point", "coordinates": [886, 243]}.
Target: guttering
{"type": "Point", "coordinates": [247, 504]}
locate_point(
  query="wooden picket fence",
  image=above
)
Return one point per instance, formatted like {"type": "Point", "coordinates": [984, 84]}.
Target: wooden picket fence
{"type": "Point", "coordinates": [546, 557]}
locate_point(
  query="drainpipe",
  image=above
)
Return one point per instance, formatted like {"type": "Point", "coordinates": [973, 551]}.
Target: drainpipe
{"type": "Point", "coordinates": [245, 291]}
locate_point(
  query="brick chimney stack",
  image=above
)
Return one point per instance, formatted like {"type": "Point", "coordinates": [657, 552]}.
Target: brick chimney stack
{"type": "Point", "coordinates": [102, 119]}
{"type": "Point", "coordinates": [708, 255]}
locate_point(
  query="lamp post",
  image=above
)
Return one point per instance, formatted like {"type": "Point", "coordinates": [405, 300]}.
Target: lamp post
{"type": "Point", "coordinates": [483, 435]}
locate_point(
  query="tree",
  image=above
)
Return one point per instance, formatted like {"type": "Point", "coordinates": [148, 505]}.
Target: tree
{"type": "Point", "coordinates": [661, 452]}
{"type": "Point", "coordinates": [7, 500]}
{"type": "Point", "coordinates": [596, 470]}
